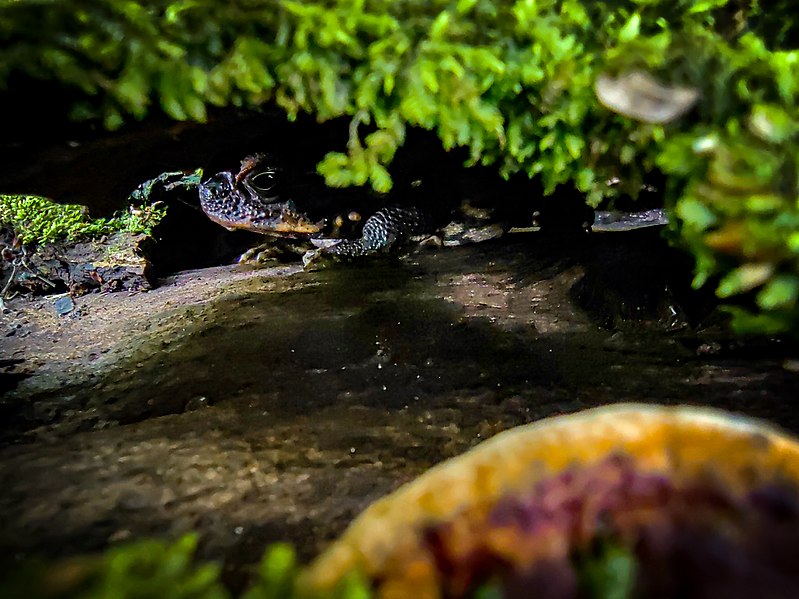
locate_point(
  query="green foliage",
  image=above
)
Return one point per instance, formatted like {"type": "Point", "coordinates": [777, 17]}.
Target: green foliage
{"type": "Point", "coordinates": [276, 574]}
{"type": "Point", "coordinates": [38, 220]}
{"type": "Point", "coordinates": [739, 213]}
{"type": "Point", "coordinates": [510, 81]}
{"type": "Point", "coordinates": [169, 180]}
{"type": "Point", "coordinates": [151, 569]}
{"type": "Point", "coordinates": [144, 570]}
{"type": "Point", "coordinates": [609, 573]}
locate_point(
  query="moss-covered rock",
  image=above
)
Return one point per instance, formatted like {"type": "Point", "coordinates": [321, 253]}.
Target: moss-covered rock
{"type": "Point", "coordinates": [49, 247]}
{"type": "Point", "coordinates": [38, 220]}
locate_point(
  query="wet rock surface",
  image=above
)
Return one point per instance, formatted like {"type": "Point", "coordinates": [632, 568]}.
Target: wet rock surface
{"type": "Point", "coordinates": [259, 405]}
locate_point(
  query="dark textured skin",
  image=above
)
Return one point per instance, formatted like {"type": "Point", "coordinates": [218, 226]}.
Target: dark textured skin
{"type": "Point", "coordinates": [382, 231]}
{"type": "Point", "coordinates": [242, 201]}
{"type": "Point", "coordinates": [248, 201]}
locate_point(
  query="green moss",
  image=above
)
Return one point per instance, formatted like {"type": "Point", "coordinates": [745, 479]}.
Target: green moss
{"type": "Point", "coordinates": [512, 82]}
{"type": "Point", "coordinates": [38, 220]}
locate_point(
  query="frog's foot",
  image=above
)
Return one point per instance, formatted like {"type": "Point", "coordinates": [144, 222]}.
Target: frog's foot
{"type": "Point", "coordinates": [275, 250]}
{"type": "Point", "coordinates": [311, 258]}
{"type": "Point", "coordinates": [260, 254]}
{"type": "Point", "coordinates": [321, 252]}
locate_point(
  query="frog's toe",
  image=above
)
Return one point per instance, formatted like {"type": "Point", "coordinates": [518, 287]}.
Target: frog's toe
{"type": "Point", "coordinates": [261, 254]}
{"type": "Point", "coordinates": [312, 257]}
{"type": "Point", "coordinates": [275, 250]}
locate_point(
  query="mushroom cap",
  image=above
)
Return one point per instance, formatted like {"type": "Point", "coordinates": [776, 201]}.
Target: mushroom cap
{"type": "Point", "coordinates": [681, 443]}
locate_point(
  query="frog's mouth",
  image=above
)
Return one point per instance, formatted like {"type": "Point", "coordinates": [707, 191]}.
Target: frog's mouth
{"type": "Point", "coordinates": [247, 201]}
{"type": "Point", "coordinates": [275, 218]}
{"type": "Point", "coordinates": [292, 223]}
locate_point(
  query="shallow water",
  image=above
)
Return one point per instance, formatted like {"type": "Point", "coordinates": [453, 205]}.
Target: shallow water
{"type": "Point", "coordinates": [260, 416]}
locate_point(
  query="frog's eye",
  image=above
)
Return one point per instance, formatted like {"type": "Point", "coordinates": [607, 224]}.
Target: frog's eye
{"type": "Point", "coordinates": [264, 181]}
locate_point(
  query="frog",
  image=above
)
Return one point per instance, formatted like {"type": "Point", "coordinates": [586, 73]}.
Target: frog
{"type": "Point", "coordinates": [248, 200]}
{"type": "Point", "coordinates": [245, 200]}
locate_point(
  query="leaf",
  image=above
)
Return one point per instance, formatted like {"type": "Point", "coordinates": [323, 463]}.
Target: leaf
{"type": "Point", "coordinates": [440, 25]}
{"type": "Point", "coordinates": [575, 145]}
{"type": "Point", "coordinates": [700, 6]}
{"type": "Point", "coordinates": [113, 120]}
{"type": "Point", "coordinates": [780, 293]}
{"type": "Point", "coordinates": [627, 154]}
{"type": "Point", "coordinates": [609, 575]}
{"type": "Point", "coordinates": [631, 29]}
{"type": "Point", "coordinates": [132, 91]}
{"type": "Point", "coordinates": [275, 574]}
{"type": "Point", "coordinates": [745, 322]}
{"type": "Point", "coordinates": [380, 179]}
{"type": "Point", "coordinates": [695, 214]}
{"type": "Point", "coordinates": [793, 242]}
{"type": "Point", "coordinates": [464, 6]}
{"type": "Point", "coordinates": [428, 75]}
{"type": "Point", "coordinates": [744, 278]}
{"type": "Point", "coordinates": [765, 203]}
{"type": "Point", "coordinates": [585, 179]}
{"type": "Point", "coordinates": [772, 123]}
{"type": "Point", "coordinates": [195, 108]}
{"type": "Point", "coordinates": [383, 144]}
{"type": "Point", "coordinates": [334, 167]}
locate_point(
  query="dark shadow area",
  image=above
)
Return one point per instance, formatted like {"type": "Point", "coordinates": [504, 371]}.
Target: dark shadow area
{"type": "Point", "coordinates": [85, 166]}
{"type": "Point", "coordinates": [9, 377]}
{"type": "Point", "coordinates": [378, 334]}
{"type": "Point", "coordinates": [640, 278]}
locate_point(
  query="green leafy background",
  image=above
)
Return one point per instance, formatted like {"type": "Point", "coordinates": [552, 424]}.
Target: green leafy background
{"type": "Point", "coordinates": [512, 81]}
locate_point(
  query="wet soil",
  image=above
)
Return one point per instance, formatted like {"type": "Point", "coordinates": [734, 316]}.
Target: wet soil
{"type": "Point", "coordinates": [261, 405]}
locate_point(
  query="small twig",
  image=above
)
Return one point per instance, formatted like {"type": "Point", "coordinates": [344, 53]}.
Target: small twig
{"type": "Point", "coordinates": [7, 286]}
{"type": "Point", "coordinates": [36, 274]}
{"type": "Point", "coordinates": [189, 204]}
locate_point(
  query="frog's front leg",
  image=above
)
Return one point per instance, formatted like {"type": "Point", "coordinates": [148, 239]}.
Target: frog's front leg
{"type": "Point", "coordinates": [277, 249]}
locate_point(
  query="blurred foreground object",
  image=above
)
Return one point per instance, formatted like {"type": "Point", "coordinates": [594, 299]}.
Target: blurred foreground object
{"type": "Point", "coordinates": [640, 96]}
{"type": "Point", "coordinates": [621, 501]}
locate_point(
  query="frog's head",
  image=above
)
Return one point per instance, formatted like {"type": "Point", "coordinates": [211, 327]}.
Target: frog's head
{"type": "Point", "coordinates": [248, 200]}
